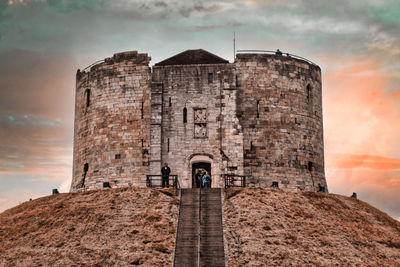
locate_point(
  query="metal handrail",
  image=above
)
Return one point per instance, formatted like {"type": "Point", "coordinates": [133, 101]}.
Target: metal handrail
{"type": "Point", "coordinates": [230, 180]}
{"type": "Point", "coordinates": [270, 52]}
{"type": "Point", "coordinates": [155, 180]}
{"type": "Point", "coordinates": [199, 231]}
{"type": "Point", "coordinates": [93, 64]}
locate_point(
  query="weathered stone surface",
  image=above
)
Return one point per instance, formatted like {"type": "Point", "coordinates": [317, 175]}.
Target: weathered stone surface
{"type": "Point", "coordinates": [112, 125]}
{"type": "Point", "coordinates": [280, 110]}
{"type": "Point", "coordinates": [260, 116]}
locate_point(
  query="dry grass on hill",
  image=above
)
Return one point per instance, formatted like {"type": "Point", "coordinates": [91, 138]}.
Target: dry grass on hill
{"type": "Point", "coordinates": [270, 227]}
{"type": "Point", "coordinates": [115, 227]}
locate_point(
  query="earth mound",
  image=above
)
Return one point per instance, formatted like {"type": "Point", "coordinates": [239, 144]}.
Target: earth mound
{"type": "Point", "coordinates": [136, 226]}
{"type": "Point", "coordinates": [271, 227]}
{"type": "Point", "coordinates": [112, 227]}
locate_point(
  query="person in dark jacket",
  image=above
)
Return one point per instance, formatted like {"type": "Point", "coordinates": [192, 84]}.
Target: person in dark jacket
{"type": "Point", "coordinates": [165, 171]}
{"type": "Point", "coordinates": [197, 178]}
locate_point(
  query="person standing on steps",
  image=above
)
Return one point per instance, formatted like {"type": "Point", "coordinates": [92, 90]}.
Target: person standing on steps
{"type": "Point", "coordinates": [165, 171]}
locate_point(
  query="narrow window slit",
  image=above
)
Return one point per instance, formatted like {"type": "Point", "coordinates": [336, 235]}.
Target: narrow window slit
{"type": "Point", "coordinates": [184, 115]}
{"type": "Point", "coordinates": [258, 109]}
{"type": "Point", "coordinates": [87, 98]}
{"type": "Point", "coordinates": [142, 110]}
{"type": "Point", "coordinates": [310, 165]}
{"type": "Point", "coordinates": [308, 93]}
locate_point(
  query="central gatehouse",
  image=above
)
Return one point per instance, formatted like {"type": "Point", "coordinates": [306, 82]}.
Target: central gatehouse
{"type": "Point", "coordinates": [260, 116]}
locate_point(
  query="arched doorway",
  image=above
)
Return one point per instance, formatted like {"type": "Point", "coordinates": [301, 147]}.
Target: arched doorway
{"type": "Point", "coordinates": [200, 166]}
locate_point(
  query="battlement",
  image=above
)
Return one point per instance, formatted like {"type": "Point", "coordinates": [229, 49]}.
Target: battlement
{"type": "Point", "coordinates": [141, 59]}
{"type": "Point", "coordinates": [264, 55]}
{"type": "Point", "coordinates": [133, 56]}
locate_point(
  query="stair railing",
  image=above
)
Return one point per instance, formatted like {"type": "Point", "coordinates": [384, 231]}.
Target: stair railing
{"type": "Point", "coordinates": [233, 180]}
{"type": "Point", "coordinates": [199, 231]}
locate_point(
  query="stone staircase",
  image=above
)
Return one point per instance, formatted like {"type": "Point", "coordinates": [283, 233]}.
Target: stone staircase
{"type": "Point", "coordinates": [211, 231]}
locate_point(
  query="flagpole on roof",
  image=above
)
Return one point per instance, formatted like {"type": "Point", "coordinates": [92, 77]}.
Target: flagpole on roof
{"type": "Point", "coordinates": [234, 46]}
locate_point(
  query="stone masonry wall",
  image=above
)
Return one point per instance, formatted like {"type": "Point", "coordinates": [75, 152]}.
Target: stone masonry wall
{"type": "Point", "coordinates": [112, 124]}
{"type": "Point", "coordinates": [260, 116]}
{"type": "Point", "coordinates": [188, 86]}
{"type": "Point", "coordinates": [280, 110]}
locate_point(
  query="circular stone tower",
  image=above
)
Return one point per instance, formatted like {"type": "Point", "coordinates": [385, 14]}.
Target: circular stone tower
{"type": "Point", "coordinates": [280, 110]}
{"type": "Point", "coordinates": [112, 123]}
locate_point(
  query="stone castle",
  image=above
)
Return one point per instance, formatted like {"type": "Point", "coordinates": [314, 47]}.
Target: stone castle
{"type": "Point", "coordinates": [260, 116]}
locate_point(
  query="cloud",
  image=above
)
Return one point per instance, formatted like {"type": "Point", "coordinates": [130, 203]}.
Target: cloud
{"type": "Point", "coordinates": [360, 115]}
{"type": "Point", "coordinates": [350, 161]}
{"type": "Point", "coordinates": [65, 6]}
{"type": "Point", "coordinates": [362, 130]}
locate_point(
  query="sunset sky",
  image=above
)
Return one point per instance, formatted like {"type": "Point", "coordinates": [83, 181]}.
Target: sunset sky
{"type": "Point", "coordinates": [356, 44]}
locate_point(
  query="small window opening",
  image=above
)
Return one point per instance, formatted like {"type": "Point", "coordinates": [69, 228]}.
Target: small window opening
{"type": "Point", "coordinates": [142, 110]}
{"type": "Point", "coordinates": [117, 156]}
{"type": "Point", "coordinates": [184, 115]}
{"type": "Point", "coordinates": [310, 166]}
{"type": "Point", "coordinates": [86, 167]}
{"type": "Point", "coordinates": [168, 145]}
{"type": "Point", "coordinates": [275, 184]}
{"type": "Point", "coordinates": [308, 93]}
{"type": "Point", "coordinates": [237, 80]}
{"type": "Point", "coordinates": [251, 146]}
{"type": "Point", "coordinates": [87, 98]}
{"type": "Point", "coordinates": [85, 170]}
{"type": "Point", "coordinates": [210, 77]}
{"type": "Point", "coordinates": [169, 102]}
{"type": "Point", "coordinates": [142, 143]}
{"type": "Point", "coordinates": [258, 109]}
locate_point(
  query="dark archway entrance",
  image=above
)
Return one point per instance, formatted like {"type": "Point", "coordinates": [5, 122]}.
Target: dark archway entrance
{"type": "Point", "coordinates": [202, 166]}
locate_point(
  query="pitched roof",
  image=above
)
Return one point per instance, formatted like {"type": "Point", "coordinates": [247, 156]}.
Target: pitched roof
{"type": "Point", "coordinates": [196, 56]}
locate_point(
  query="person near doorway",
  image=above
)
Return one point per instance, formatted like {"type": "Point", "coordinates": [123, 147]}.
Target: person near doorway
{"type": "Point", "coordinates": [165, 171]}
{"type": "Point", "coordinates": [197, 178]}
{"type": "Point", "coordinates": [206, 179]}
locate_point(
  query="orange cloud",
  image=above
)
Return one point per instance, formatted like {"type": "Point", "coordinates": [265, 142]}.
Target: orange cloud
{"type": "Point", "coordinates": [348, 161]}
{"type": "Point", "coordinates": [360, 115]}
{"type": "Point", "coordinates": [362, 132]}
{"type": "Point", "coordinates": [395, 95]}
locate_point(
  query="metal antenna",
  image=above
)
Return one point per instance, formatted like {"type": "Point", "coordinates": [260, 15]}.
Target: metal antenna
{"type": "Point", "coordinates": [234, 46]}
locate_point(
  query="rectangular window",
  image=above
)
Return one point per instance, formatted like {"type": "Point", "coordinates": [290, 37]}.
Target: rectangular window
{"type": "Point", "coordinates": [169, 102]}
{"type": "Point", "coordinates": [210, 77]}
{"type": "Point", "coordinates": [117, 156]}
{"type": "Point", "coordinates": [168, 145]}
{"type": "Point", "coordinates": [200, 123]}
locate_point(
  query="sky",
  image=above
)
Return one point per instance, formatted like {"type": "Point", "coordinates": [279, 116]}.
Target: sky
{"type": "Point", "coordinates": [356, 43]}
